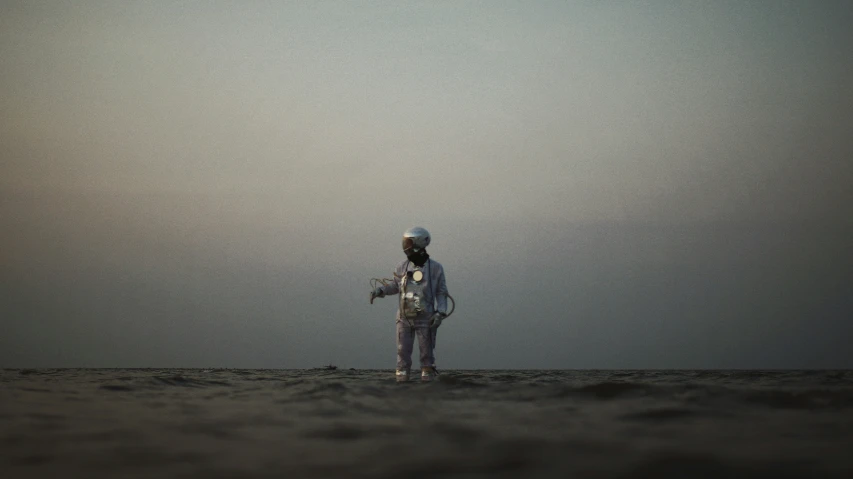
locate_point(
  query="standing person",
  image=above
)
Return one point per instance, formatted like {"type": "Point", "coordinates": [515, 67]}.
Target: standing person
{"type": "Point", "coordinates": [419, 281]}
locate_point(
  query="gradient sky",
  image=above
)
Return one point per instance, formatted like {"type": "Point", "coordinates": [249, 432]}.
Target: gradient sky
{"type": "Point", "coordinates": [608, 184]}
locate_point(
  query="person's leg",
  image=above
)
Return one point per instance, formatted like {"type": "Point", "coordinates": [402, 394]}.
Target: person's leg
{"type": "Point", "coordinates": [432, 333]}
{"type": "Point", "coordinates": [405, 344]}
{"type": "Point", "coordinates": [425, 347]}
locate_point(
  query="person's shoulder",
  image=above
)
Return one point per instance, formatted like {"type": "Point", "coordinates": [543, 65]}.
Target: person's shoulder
{"type": "Point", "coordinates": [401, 265]}
{"type": "Point", "coordinates": [436, 264]}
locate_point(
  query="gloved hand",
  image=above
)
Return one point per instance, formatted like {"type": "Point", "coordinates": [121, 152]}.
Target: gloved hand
{"type": "Point", "coordinates": [436, 319]}
{"type": "Point", "coordinates": [376, 293]}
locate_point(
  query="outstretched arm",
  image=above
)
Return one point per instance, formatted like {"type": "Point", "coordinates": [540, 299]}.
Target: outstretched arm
{"type": "Point", "coordinates": [392, 287]}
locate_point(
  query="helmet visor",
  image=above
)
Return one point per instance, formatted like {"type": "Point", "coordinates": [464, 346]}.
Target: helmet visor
{"type": "Point", "coordinates": [409, 246]}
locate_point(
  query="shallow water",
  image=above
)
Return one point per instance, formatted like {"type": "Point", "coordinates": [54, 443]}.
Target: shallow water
{"type": "Point", "coordinates": [311, 424]}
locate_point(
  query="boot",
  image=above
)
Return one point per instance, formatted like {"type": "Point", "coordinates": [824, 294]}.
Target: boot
{"type": "Point", "coordinates": [402, 375]}
{"type": "Point", "coordinates": [427, 375]}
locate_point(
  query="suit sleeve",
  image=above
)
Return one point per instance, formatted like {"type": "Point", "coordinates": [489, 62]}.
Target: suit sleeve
{"type": "Point", "coordinates": [393, 288]}
{"type": "Point", "coordinates": [441, 293]}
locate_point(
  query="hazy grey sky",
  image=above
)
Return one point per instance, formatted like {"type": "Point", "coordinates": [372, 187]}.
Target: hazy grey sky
{"type": "Point", "coordinates": [608, 184]}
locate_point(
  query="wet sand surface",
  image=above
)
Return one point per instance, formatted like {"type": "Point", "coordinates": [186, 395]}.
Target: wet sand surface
{"type": "Point", "coordinates": [193, 423]}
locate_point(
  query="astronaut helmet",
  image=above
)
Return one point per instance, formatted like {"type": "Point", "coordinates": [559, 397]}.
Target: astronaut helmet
{"type": "Point", "coordinates": [415, 240]}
